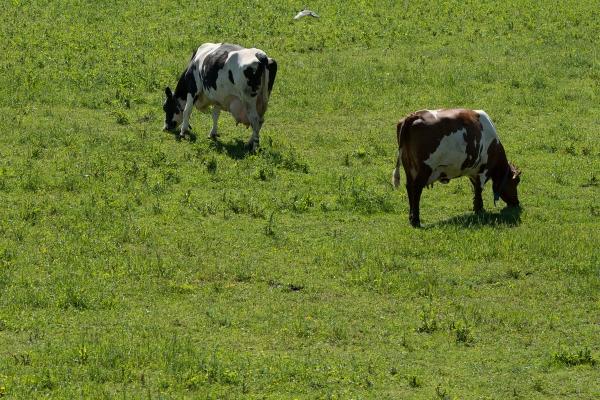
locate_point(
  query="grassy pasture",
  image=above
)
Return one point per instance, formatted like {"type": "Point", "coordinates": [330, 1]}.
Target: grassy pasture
{"type": "Point", "coordinates": [136, 266]}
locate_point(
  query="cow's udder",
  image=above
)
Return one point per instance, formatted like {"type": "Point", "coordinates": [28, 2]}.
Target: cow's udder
{"type": "Point", "coordinates": [238, 111]}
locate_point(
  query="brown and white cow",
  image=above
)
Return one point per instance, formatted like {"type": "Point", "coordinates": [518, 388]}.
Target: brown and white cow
{"type": "Point", "coordinates": [439, 145]}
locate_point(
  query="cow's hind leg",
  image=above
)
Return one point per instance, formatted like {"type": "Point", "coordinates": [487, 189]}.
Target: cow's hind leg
{"type": "Point", "coordinates": [477, 199]}
{"type": "Point", "coordinates": [414, 191]}
{"type": "Point", "coordinates": [216, 111]}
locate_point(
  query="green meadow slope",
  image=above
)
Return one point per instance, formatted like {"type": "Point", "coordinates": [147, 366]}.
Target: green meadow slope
{"type": "Point", "coordinates": [136, 266]}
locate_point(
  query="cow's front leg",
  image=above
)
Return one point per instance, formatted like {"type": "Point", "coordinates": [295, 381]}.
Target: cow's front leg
{"type": "Point", "coordinates": [216, 111]}
{"type": "Point", "coordinates": [187, 111]}
{"type": "Point", "coordinates": [256, 122]}
{"type": "Point", "coordinates": [477, 199]}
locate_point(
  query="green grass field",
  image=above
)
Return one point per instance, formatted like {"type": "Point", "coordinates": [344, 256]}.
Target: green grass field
{"type": "Point", "coordinates": [136, 266]}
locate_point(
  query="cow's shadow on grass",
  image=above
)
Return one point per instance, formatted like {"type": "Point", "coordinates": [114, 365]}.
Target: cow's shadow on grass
{"type": "Point", "coordinates": [508, 217]}
{"type": "Point", "coordinates": [236, 149]}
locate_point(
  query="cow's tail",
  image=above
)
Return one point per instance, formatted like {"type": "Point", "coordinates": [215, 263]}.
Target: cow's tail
{"type": "Point", "coordinates": [401, 133]}
{"type": "Point", "coordinates": [396, 173]}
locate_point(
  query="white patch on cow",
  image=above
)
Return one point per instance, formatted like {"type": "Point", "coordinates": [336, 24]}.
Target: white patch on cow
{"type": "Point", "coordinates": [482, 178]}
{"type": "Point", "coordinates": [488, 136]}
{"type": "Point", "coordinates": [413, 172]}
{"type": "Point", "coordinates": [434, 113]}
{"type": "Point", "coordinates": [448, 157]}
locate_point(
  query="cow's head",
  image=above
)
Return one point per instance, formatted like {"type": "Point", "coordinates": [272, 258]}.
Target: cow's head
{"type": "Point", "coordinates": [173, 111]}
{"type": "Point", "coordinates": [507, 188]}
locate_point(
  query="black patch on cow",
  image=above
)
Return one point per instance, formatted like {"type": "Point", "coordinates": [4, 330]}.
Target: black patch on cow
{"type": "Point", "coordinates": [214, 62]}
{"type": "Point", "coordinates": [272, 67]}
{"type": "Point", "coordinates": [254, 77]}
{"type": "Point", "coordinates": [262, 58]}
{"type": "Point", "coordinates": [170, 107]}
{"type": "Point", "coordinates": [231, 77]}
{"type": "Point", "coordinates": [186, 84]}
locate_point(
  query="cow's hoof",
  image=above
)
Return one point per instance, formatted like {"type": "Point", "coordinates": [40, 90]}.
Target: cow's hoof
{"type": "Point", "coordinates": [183, 133]}
{"type": "Point", "coordinates": [415, 223]}
{"type": "Point", "coordinates": [252, 146]}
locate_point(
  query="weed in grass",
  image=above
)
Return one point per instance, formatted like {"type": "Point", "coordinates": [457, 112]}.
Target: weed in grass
{"type": "Point", "coordinates": [23, 359]}
{"type": "Point", "coordinates": [538, 386]}
{"type": "Point", "coordinates": [442, 393]}
{"type": "Point", "coordinates": [356, 195]}
{"type": "Point", "coordinates": [264, 173]}
{"type": "Point", "coordinates": [269, 228]}
{"type": "Point", "coordinates": [429, 320]}
{"type": "Point", "coordinates": [121, 117]}
{"type": "Point", "coordinates": [74, 298]}
{"type": "Point", "coordinates": [360, 153]}
{"type": "Point", "coordinates": [514, 273]}
{"type": "Point", "coordinates": [404, 343]}
{"type": "Point", "coordinates": [464, 333]}
{"type": "Point", "coordinates": [285, 158]}
{"type": "Point", "coordinates": [560, 178]}
{"type": "Point", "coordinates": [571, 150]}
{"type": "Point", "coordinates": [572, 358]}
{"type": "Point", "coordinates": [211, 165]}
{"type": "Point", "coordinates": [347, 162]}
{"type": "Point", "coordinates": [586, 151]}
{"type": "Point", "coordinates": [414, 382]}
{"type": "Point", "coordinates": [592, 182]}
{"type": "Point", "coordinates": [82, 355]}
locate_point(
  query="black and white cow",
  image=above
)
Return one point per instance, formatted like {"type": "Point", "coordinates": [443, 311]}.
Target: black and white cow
{"type": "Point", "coordinates": [227, 77]}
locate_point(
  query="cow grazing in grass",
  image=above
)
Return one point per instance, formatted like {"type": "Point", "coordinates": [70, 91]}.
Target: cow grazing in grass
{"type": "Point", "coordinates": [227, 77]}
{"type": "Point", "coordinates": [439, 145]}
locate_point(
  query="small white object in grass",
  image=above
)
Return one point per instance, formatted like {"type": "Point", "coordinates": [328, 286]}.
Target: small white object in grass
{"type": "Point", "coordinates": [306, 13]}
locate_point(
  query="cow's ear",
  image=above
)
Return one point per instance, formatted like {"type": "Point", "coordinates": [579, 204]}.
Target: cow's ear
{"type": "Point", "coordinates": [168, 92]}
